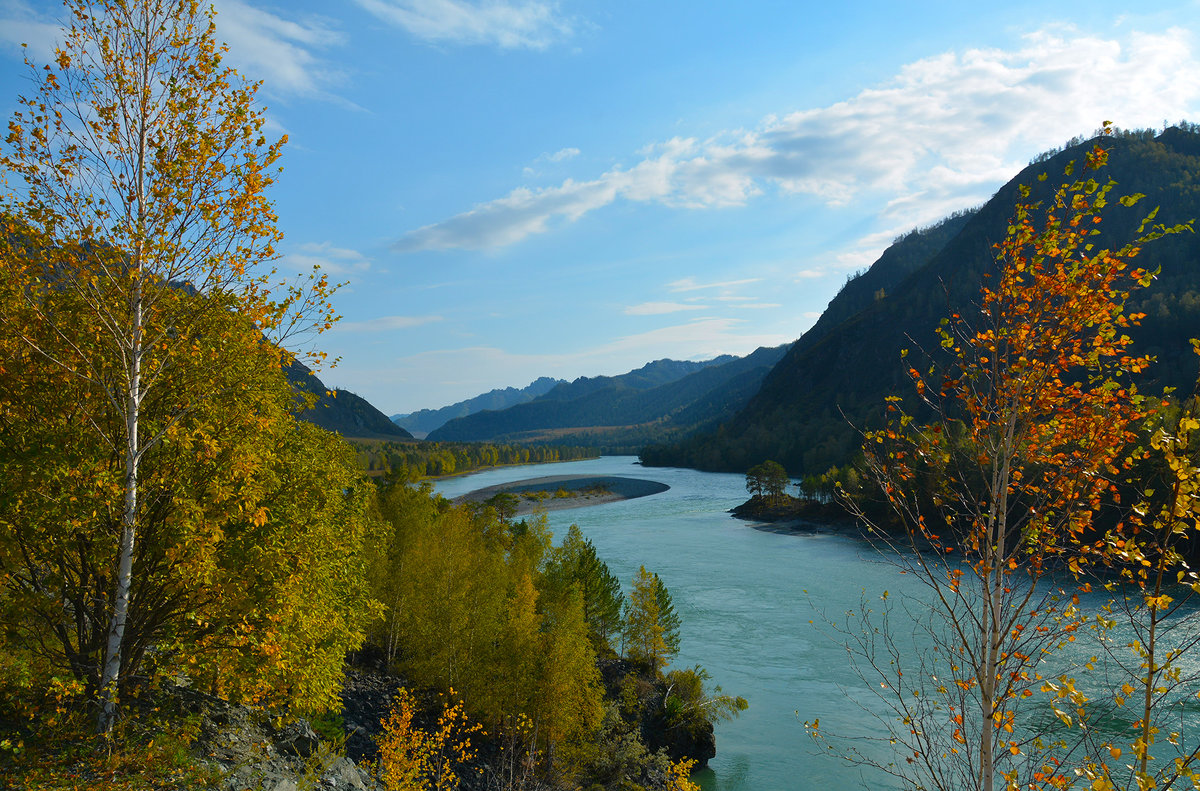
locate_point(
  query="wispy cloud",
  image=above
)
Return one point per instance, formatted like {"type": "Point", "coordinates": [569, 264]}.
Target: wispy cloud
{"type": "Point", "coordinates": [690, 284]}
{"type": "Point", "coordinates": [337, 261]}
{"type": "Point", "coordinates": [660, 308]}
{"type": "Point", "coordinates": [942, 134]}
{"type": "Point", "coordinates": [562, 155]}
{"type": "Point", "coordinates": [279, 50]}
{"type": "Point", "coordinates": [385, 323]}
{"type": "Point", "coordinates": [21, 24]}
{"type": "Point", "coordinates": [263, 45]}
{"type": "Point", "coordinates": [756, 305]}
{"type": "Point", "coordinates": [510, 219]}
{"type": "Point", "coordinates": [509, 24]}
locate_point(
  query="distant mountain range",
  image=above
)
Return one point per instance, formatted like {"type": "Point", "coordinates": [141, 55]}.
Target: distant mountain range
{"type": "Point", "coordinates": [662, 400]}
{"type": "Point", "coordinates": [342, 411]}
{"type": "Point", "coordinates": [833, 381]}
{"type": "Point", "coordinates": [420, 423]}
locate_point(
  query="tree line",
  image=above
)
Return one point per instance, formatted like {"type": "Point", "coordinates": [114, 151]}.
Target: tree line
{"type": "Point", "coordinates": [415, 460]}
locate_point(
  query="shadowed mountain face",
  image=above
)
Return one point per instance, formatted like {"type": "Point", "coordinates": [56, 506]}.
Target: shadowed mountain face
{"type": "Point", "coordinates": [833, 381]}
{"type": "Point", "coordinates": [422, 422]}
{"type": "Point", "coordinates": [663, 399]}
{"type": "Point", "coordinates": [342, 411]}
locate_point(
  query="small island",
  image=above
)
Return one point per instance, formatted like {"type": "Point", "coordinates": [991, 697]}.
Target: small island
{"type": "Point", "coordinates": [771, 508]}
{"type": "Point", "coordinates": [560, 492]}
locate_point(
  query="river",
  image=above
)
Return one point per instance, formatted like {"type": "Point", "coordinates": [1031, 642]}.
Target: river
{"type": "Point", "coordinates": [746, 597]}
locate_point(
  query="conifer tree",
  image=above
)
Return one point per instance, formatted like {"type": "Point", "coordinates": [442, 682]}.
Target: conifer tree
{"type": "Point", "coordinates": [646, 636]}
{"type": "Point", "coordinates": [576, 563]}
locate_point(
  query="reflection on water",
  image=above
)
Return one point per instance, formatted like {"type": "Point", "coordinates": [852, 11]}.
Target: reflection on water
{"type": "Point", "coordinates": [734, 776]}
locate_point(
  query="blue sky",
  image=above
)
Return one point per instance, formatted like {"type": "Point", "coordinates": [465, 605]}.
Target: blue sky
{"type": "Point", "coordinates": [524, 188]}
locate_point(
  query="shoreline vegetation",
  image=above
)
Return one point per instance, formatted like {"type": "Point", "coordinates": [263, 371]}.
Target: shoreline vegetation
{"type": "Point", "coordinates": [562, 492]}
{"type": "Point", "coordinates": [417, 460]}
{"type": "Point", "coordinates": [787, 514]}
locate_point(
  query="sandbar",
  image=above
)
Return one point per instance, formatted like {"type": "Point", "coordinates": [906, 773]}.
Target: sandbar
{"type": "Point", "coordinates": [583, 491]}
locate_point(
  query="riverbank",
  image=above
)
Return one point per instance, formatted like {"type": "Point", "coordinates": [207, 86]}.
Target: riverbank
{"type": "Point", "coordinates": [787, 514]}
{"type": "Point", "coordinates": [560, 492]}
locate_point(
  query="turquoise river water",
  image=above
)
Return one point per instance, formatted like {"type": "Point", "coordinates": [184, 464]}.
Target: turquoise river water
{"type": "Point", "coordinates": [746, 597]}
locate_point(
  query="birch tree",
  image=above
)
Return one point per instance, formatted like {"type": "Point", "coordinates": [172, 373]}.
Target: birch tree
{"type": "Point", "coordinates": [1033, 416]}
{"type": "Point", "coordinates": [138, 168]}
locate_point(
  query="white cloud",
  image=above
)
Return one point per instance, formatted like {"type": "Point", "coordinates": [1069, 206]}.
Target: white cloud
{"type": "Point", "coordinates": [20, 24]}
{"type": "Point", "coordinates": [510, 219]}
{"type": "Point", "coordinates": [280, 51]}
{"type": "Point", "coordinates": [944, 133]}
{"type": "Point", "coordinates": [660, 308]}
{"type": "Point", "coordinates": [337, 261]}
{"type": "Point", "coordinates": [809, 274]}
{"type": "Point", "coordinates": [262, 45]}
{"type": "Point", "coordinates": [509, 24]}
{"type": "Point", "coordinates": [385, 323]}
{"type": "Point", "coordinates": [690, 284]}
{"type": "Point", "coordinates": [562, 155]}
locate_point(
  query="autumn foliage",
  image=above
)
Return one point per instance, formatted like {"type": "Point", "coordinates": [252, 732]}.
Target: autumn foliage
{"type": "Point", "coordinates": [413, 759]}
{"type": "Point", "coordinates": [1033, 419]}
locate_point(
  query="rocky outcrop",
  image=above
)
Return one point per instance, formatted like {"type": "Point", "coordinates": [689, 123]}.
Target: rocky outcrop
{"type": "Point", "coordinates": [250, 751]}
{"type": "Point", "coordinates": [643, 708]}
{"type": "Point", "coordinates": [366, 701]}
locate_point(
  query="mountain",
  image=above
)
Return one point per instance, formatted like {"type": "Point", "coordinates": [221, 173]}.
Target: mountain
{"type": "Point", "coordinates": [833, 381]}
{"type": "Point", "coordinates": [661, 400]}
{"type": "Point", "coordinates": [342, 411]}
{"type": "Point", "coordinates": [422, 422]}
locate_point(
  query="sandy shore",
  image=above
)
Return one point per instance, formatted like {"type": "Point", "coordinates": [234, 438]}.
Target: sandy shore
{"type": "Point", "coordinates": [614, 489]}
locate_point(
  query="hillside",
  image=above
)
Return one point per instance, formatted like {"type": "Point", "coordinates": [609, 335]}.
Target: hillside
{"type": "Point", "coordinates": [811, 406]}
{"type": "Point", "coordinates": [342, 412]}
{"type": "Point", "coordinates": [663, 399]}
{"type": "Point", "coordinates": [422, 422]}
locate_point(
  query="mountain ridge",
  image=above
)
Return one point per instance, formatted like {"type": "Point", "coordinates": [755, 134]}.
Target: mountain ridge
{"type": "Point", "coordinates": [662, 398]}
{"type": "Point", "coordinates": [811, 407]}
{"type": "Point", "coordinates": [341, 411]}
{"type": "Point", "coordinates": [424, 421]}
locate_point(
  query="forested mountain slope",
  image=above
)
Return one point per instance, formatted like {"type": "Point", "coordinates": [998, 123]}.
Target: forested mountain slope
{"type": "Point", "coordinates": [833, 381]}
{"type": "Point", "coordinates": [423, 421]}
{"type": "Point", "coordinates": [662, 399]}
{"type": "Point", "coordinates": [342, 411]}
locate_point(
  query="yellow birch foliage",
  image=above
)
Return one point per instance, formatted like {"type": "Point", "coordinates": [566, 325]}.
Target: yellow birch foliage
{"type": "Point", "coordinates": [679, 778]}
{"type": "Point", "coordinates": [138, 167]}
{"type": "Point", "coordinates": [1033, 417]}
{"type": "Point", "coordinates": [411, 759]}
{"type": "Point", "coordinates": [247, 572]}
{"type": "Point", "coordinates": [1145, 632]}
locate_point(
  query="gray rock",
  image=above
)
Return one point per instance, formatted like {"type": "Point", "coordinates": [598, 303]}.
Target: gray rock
{"type": "Point", "coordinates": [298, 739]}
{"type": "Point", "coordinates": [344, 775]}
